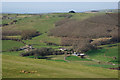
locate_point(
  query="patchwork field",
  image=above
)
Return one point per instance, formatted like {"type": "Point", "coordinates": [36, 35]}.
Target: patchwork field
{"type": "Point", "coordinates": [52, 32]}
{"type": "Point", "coordinates": [56, 67]}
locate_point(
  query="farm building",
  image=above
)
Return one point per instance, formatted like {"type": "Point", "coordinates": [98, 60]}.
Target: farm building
{"type": "Point", "coordinates": [27, 48]}
{"type": "Point", "coordinates": [79, 54]}
{"type": "Point", "coordinates": [62, 49]}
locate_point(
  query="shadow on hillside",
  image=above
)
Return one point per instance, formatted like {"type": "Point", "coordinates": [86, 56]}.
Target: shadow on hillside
{"type": "Point", "coordinates": [96, 51]}
{"type": "Point", "coordinates": [40, 57]}
{"type": "Point", "coordinates": [48, 58]}
{"type": "Point", "coordinates": [112, 45]}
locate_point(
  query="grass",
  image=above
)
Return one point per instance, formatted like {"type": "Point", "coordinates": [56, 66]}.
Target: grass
{"type": "Point", "coordinates": [42, 24]}
{"type": "Point", "coordinates": [17, 37]}
{"type": "Point", "coordinates": [75, 59]}
{"type": "Point", "coordinates": [34, 57]}
{"type": "Point", "coordinates": [40, 40]}
{"type": "Point", "coordinates": [50, 58]}
{"type": "Point", "coordinates": [59, 60]}
{"type": "Point", "coordinates": [104, 66]}
{"type": "Point", "coordinates": [51, 69]}
{"type": "Point", "coordinates": [0, 66]}
{"type": "Point", "coordinates": [109, 52]}
{"type": "Point", "coordinates": [56, 57]}
{"type": "Point", "coordinates": [13, 53]}
{"type": "Point", "coordinates": [56, 67]}
{"type": "Point", "coordinates": [9, 44]}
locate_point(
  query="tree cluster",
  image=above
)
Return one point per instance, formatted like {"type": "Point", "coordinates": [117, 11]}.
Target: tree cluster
{"type": "Point", "coordinates": [39, 52]}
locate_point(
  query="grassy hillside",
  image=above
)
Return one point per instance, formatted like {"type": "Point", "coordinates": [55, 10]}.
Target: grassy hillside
{"type": "Point", "coordinates": [9, 44]}
{"type": "Point", "coordinates": [106, 54]}
{"type": "Point", "coordinates": [0, 66]}
{"type": "Point", "coordinates": [50, 69]}
{"type": "Point", "coordinates": [39, 41]}
{"type": "Point", "coordinates": [57, 67]}
{"type": "Point", "coordinates": [42, 23]}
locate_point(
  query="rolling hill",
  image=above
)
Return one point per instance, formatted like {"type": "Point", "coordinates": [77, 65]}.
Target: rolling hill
{"type": "Point", "coordinates": [60, 30]}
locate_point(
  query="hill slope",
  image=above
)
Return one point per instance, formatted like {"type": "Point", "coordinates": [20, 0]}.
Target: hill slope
{"type": "Point", "coordinates": [51, 69]}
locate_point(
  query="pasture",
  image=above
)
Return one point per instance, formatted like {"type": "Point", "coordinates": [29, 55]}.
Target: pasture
{"type": "Point", "coordinates": [12, 65]}
{"type": "Point", "coordinates": [55, 66]}
{"type": "Point", "coordinates": [9, 44]}
{"type": "Point", "coordinates": [106, 54]}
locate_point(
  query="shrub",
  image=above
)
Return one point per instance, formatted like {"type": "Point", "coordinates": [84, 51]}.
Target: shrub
{"type": "Point", "coordinates": [11, 32]}
{"type": "Point", "coordinates": [71, 11]}
{"type": "Point", "coordinates": [39, 52]}
{"type": "Point", "coordinates": [28, 34]}
{"type": "Point", "coordinates": [83, 45]}
{"type": "Point", "coordinates": [101, 42]}
{"type": "Point", "coordinates": [14, 49]}
{"type": "Point", "coordinates": [115, 37]}
{"type": "Point", "coordinates": [58, 53]}
{"type": "Point", "coordinates": [5, 24]}
{"type": "Point", "coordinates": [25, 34]}
{"type": "Point", "coordinates": [51, 43]}
{"type": "Point", "coordinates": [67, 41]}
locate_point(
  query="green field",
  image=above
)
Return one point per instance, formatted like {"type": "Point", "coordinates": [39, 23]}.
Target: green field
{"type": "Point", "coordinates": [9, 44]}
{"type": "Point", "coordinates": [51, 69]}
{"type": "Point", "coordinates": [17, 37]}
{"type": "Point", "coordinates": [55, 66]}
{"type": "Point", "coordinates": [42, 24]}
{"type": "Point", "coordinates": [105, 54]}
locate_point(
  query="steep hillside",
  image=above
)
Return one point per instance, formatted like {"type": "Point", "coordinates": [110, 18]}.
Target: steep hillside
{"type": "Point", "coordinates": [98, 26]}
{"type": "Point", "coordinates": [78, 33]}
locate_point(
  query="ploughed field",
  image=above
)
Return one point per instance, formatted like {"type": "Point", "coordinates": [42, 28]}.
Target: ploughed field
{"type": "Point", "coordinates": [54, 31]}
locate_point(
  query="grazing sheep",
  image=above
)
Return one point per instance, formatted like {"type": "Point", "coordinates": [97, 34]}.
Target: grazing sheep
{"type": "Point", "coordinates": [114, 57]}
{"type": "Point", "coordinates": [99, 62]}
{"type": "Point", "coordinates": [26, 72]}
{"type": "Point", "coordinates": [22, 71]}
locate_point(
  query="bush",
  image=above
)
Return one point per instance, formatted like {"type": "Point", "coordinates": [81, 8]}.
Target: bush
{"type": "Point", "coordinates": [39, 52]}
{"type": "Point", "coordinates": [51, 43]}
{"type": "Point", "coordinates": [14, 49]}
{"type": "Point", "coordinates": [67, 41]}
{"type": "Point", "coordinates": [25, 34]}
{"type": "Point", "coordinates": [83, 45]}
{"type": "Point", "coordinates": [101, 42]}
{"type": "Point", "coordinates": [11, 32]}
{"type": "Point", "coordinates": [115, 37]}
{"type": "Point", "coordinates": [58, 53]}
{"type": "Point", "coordinates": [5, 24]}
{"type": "Point", "coordinates": [28, 34]}
{"type": "Point", "coordinates": [71, 11]}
